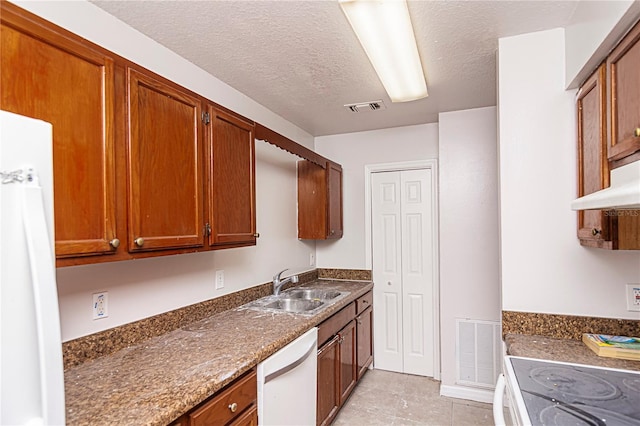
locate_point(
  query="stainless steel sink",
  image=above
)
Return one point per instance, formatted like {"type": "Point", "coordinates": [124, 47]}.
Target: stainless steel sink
{"type": "Point", "coordinates": [303, 301]}
{"type": "Point", "coordinates": [311, 293]}
{"type": "Point", "coordinates": [294, 305]}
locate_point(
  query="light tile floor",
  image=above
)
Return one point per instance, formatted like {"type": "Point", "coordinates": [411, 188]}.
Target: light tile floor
{"type": "Point", "coordinates": [386, 398]}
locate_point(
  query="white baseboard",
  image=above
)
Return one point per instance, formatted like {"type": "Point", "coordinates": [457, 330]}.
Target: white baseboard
{"type": "Point", "coordinates": [463, 392]}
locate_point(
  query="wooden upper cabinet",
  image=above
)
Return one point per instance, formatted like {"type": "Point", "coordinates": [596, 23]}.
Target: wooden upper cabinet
{"type": "Point", "coordinates": [623, 65]}
{"type": "Point", "coordinates": [593, 167]}
{"type": "Point", "coordinates": [47, 75]}
{"type": "Point", "coordinates": [334, 208]}
{"type": "Point", "coordinates": [232, 199]}
{"type": "Point", "coordinates": [165, 167]}
{"type": "Point", "coordinates": [319, 200]}
{"type": "Point", "coordinates": [613, 230]}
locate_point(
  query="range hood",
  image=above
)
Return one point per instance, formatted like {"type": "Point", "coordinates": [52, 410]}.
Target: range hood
{"type": "Point", "coordinates": [622, 194]}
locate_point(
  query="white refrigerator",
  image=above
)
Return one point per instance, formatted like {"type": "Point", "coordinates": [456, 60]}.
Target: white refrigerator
{"type": "Point", "coordinates": [31, 370]}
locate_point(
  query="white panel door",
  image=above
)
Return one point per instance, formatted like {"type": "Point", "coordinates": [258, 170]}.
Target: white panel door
{"type": "Point", "coordinates": [403, 241]}
{"type": "Point", "coordinates": [387, 272]}
{"type": "Point", "coordinates": [417, 276]}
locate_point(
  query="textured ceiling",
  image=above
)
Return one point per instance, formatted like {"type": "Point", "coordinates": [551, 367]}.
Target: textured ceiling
{"type": "Point", "coordinates": [301, 60]}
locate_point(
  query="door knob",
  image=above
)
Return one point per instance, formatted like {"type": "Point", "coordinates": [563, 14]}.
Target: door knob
{"type": "Point", "coordinates": [595, 231]}
{"type": "Point", "coordinates": [139, 241]}
{"type": "Point", "coordinates": [115, 243]}
{"type": "Point", "coordinates": [233, 407]}
{"type": "Point", "coordinates": [637, 132]}
{"type": "Point", "coordinates": [389, 283]}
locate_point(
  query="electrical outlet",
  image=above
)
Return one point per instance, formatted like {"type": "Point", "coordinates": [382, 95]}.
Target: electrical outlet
{"type": "Point", "coordinates": [100, 305]}
{"type": "Point", "coordinates": [633, 297]}
{"type": "Point", "coordinates": [312, 259]}
{"type": "Point", "coordinates": [219, 279]}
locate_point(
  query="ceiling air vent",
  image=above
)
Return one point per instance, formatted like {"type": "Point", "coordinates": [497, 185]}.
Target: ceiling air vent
{"type": "Point", "coordinates": [366, 106]}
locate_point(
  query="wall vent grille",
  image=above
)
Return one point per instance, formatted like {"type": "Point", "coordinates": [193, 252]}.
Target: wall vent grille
{"type": "Point", "coordinates": [366, 106]}
{"type": "Point", "coordinates": [478, 352]}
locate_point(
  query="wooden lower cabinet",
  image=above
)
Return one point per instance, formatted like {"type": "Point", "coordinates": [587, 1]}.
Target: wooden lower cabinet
{"type": "Point", "coordinates": [348, 361]}
{"type": "Point", "coordinates": [345, 353]}
{"type": "Point", "coordinates": [328, 379]}
{"type": "Point", "coordinates": [235, 405]}
{"type": "Point", "coordinates": [364, 338]}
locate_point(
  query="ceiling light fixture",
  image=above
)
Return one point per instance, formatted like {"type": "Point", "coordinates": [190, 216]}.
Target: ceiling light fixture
{"type": "Point", "coordinates": [386, 34]}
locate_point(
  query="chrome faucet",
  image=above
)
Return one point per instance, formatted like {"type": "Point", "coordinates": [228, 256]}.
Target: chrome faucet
{"type": "Point", "coordinates": [278, 283]}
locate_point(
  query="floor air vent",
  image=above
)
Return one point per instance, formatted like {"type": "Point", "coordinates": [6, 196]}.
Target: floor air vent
{"type": "Point", "coordinates": [366, 106]}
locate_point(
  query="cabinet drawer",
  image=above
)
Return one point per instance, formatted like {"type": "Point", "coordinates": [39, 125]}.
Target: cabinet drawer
{"type": "Point", "coordinates": [331, 326]}
{"type": "Point", "coordinates": [230, 403]}
{"type": "Point", "coordinates": [364, 302]}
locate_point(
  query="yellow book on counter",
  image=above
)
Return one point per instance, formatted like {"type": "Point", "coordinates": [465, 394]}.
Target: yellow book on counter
{"type": "Point", "coordinates": [621, 347]}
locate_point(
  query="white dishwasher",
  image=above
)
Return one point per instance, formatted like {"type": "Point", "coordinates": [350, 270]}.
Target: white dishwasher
{"type": "Point", "coordinates": [287, 384]}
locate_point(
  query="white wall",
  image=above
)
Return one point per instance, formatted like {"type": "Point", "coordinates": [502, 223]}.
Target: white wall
{"type": "Point", "coordinates": [544, 268]}
{"type": "Point", "coordinates": [469, 258]}
{"type": "Point", "coordinates": [595, 28]}
{"type": "Point", "coordinates": [353, 151]}
{"type": "Point", "coordinates": [96, 25]}
{"type": "Point", "coordinates": [142, 288]}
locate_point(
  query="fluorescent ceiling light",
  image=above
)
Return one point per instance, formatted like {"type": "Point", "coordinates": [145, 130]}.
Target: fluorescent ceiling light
{"type": "Point", "coordinates": [386, 34]}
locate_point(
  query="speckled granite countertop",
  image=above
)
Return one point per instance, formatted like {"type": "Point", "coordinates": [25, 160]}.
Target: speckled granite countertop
{"type": "Point", "coordinates": [160, 379]}
{"type": "Point", "coordinates": [566, 350]}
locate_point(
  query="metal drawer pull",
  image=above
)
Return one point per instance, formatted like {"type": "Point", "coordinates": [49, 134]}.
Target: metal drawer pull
{"type": "Point", "coordinates": [637, 132]}
{"type": "Point", "coordinates": [595, 231]}
{"type": "Point", "coordinates": [233, 407]}
{"type": "Point", "coordinates": [139, 241]}
{"type": "Point", "coordinates": [115, 243]}
{"type": "Point", "coordinates": [329, 343]}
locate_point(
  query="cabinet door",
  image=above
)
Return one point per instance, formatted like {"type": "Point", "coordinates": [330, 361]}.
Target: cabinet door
{"type": "Point", "coordinates": [593, 168]}
{"type": "Point", "coordinates": [364, 331]}
{"type": "Point", "coordinates": [328, 379]}
{"type": "Point", "coordinates": [48, 75]}
{"type": "Point", "coordinates": [624, 95]}
{"type": "Point", "coordinates": [348, 361]}
{"type": "Point", "coordinates": [250, 418]}
{"type": "Point", "coordinates": [312, 201]}
{"type": "Point", "coordinates": [231, 180]}
{"type": "Point", "coordinates": [165, 165]}
{"type": "Point", "coordinates": [334, 197]}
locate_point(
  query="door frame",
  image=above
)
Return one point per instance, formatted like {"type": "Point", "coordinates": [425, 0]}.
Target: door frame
{"type": "Point", "coordinates": [431, 164]}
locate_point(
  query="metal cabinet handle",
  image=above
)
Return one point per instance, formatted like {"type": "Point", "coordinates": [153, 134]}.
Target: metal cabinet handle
{"type": "Point", "coordinates": [637, 132]}
{"type": "Point", "coordinates": [115, 243]}
{"type": "Point", "coordinates": [256, 235]}
{"type": "Point", "coordinates": [595, 231]}
{"type": "Point", "coordinates": [365, 302]}
{"type": "Point", "coordinates": [139, 241]}
{"type": "Point", "coordinates": [388, 282]}
{"type": "Point", "coordinates": [233, 407]}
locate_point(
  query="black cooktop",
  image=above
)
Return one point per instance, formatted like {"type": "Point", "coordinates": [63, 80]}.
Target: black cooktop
{"type": "Point", "coordinates": [572, 394]}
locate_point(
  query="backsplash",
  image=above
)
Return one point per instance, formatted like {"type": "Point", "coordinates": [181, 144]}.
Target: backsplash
{"type": "Point", "coordinates": [96, 345]}
{"type": "Point", "coordinates": [565, 326]}
{"type": "Point", "coordinates": [346, 274]}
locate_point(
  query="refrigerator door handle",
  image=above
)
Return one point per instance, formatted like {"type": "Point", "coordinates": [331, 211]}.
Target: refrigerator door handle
{"type": "Point", "coordinates": [43, 277]}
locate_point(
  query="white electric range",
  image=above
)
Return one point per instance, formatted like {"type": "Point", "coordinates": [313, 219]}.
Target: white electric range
{"type": "Point", "coordinates": [548, 393]}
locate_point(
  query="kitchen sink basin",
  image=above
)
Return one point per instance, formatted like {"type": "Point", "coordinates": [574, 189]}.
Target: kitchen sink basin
{"type": "Point", "coordinates": [304, 301]}
{"type": "Point", "coordinates": [312, 294]}
{"type": "Point", "coordinates": [294, 305]}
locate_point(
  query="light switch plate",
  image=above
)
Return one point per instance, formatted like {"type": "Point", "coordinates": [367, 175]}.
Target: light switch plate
{"type": "Point", "coordinates": [219, 279]}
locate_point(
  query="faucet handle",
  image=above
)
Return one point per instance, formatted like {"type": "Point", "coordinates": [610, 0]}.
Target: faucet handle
{"type": "Point", "coordinates": [294, 279]}
{"type": "Point", "coordinates": [277, 276]}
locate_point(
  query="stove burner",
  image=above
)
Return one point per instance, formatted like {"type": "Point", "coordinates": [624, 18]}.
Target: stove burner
{"type": "Point", "coordinates": [633, 384]}
{"type": "Point", "coordinates": [579, 415]}
{"type": "Point", "coordinates": [574, 383]}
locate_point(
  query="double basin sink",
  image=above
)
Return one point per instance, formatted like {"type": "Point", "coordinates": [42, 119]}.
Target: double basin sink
{"type": "Point", "coordinates": [307, 301]}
